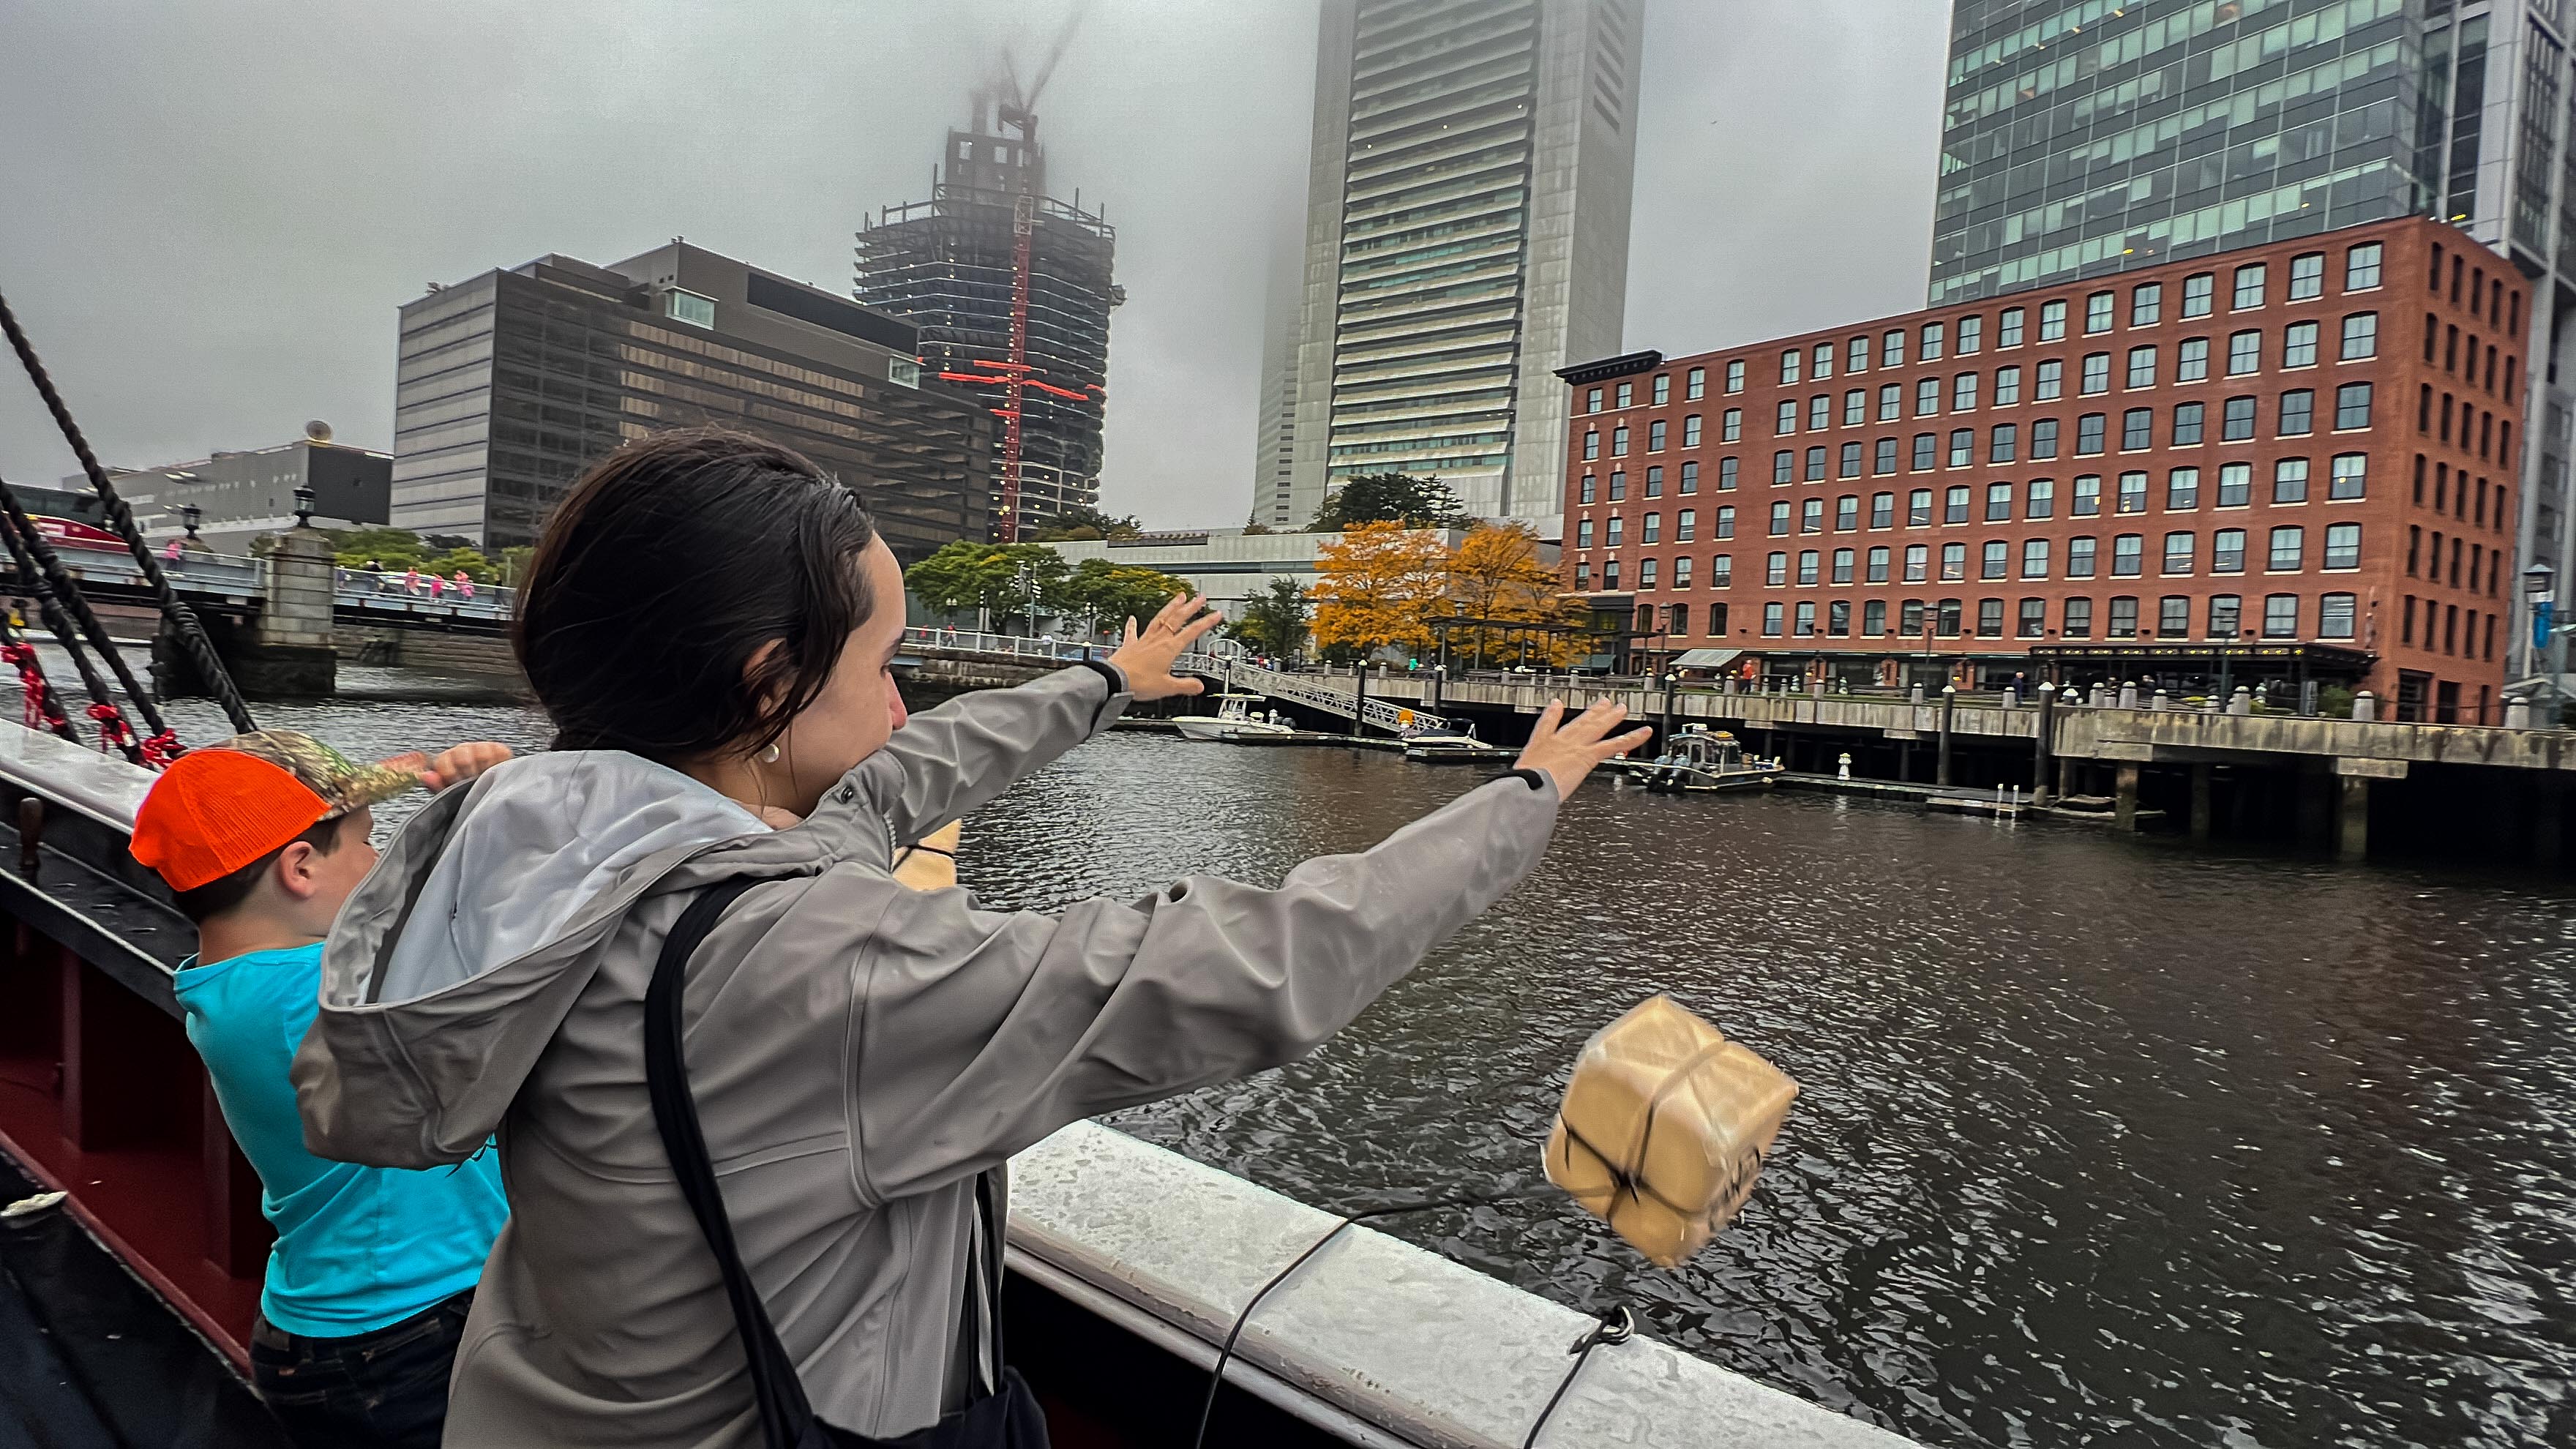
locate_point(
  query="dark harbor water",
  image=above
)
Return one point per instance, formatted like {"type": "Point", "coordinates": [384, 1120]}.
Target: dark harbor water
{"type": "Point", "coordinates": [2103, 1141]}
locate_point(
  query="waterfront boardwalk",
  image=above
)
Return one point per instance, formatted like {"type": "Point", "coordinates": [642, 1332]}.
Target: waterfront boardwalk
{"type": "Point", "coordinates": [2323, 781]}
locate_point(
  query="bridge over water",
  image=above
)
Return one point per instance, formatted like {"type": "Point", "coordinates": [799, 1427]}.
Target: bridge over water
{"type": "Point", "coordinates": [281, 622]}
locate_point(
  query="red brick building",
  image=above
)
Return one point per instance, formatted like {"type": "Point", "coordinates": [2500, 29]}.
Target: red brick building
{"type": "Point", "coordinates": [2288, 462]}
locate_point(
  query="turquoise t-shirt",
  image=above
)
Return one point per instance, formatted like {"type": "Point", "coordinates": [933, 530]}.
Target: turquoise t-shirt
{"type": "Point", "coordinates": [357, 1247]}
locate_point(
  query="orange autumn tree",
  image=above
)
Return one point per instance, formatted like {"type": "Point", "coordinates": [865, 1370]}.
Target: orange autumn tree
{"type": "Point", "coordinates": [1378, 585]}
{"type": "Point", "coordinates": [1496, 574]}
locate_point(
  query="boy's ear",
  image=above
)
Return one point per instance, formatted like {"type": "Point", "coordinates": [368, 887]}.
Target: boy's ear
{"type": "Point", "coordinates": [293, 870]}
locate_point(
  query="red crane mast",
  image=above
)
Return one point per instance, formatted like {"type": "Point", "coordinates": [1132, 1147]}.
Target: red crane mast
{"type": "Point", "coordinates": [1014, 385]}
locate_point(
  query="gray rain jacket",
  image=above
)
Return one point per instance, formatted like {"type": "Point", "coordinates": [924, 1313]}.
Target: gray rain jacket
{"type": "Point", "coordinates": [859, 1051]}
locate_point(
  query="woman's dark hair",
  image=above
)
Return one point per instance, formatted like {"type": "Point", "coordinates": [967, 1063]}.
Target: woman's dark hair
{"type": "Point", "coordinates": [663, 573]}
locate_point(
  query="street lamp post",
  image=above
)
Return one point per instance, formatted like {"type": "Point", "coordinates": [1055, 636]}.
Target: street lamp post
{"type": "Point", "coordinates": [2540, 652]}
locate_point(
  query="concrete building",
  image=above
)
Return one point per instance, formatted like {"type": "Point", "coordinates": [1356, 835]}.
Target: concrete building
{"type": "Point", "coordinates": [1274, 443]}
{"type": "Point", "coordinates": [512, 383]}
{"type": "Point", "coordinates": [1467, 234]}
{"type": "Point", "coordinates": [1228, 565]}
{"type": "Point", "coordinates": [2084, 137]}
{"type": "Point", "coordinates": [2284, 463]}
{"type": "Point", "coordinates": [239, 495]}
{"type": "Point", "coordinates": [948, 266]}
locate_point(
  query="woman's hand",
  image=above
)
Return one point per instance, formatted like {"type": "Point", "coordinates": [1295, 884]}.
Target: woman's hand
{"type": "Point", "coordinates": [1568, 753]}
{"type": "Point", "coordinates": [1146, 658]}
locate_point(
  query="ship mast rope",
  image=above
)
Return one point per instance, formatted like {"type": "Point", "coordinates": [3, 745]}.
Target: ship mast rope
{"type": "Point", "coordinates": [1615, 1325]}
{"type": "Point", "coordinates": [163, 745]}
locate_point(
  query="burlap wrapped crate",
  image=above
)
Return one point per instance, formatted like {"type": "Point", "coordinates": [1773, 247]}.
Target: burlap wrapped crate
{"type": "Point", "coordinates": [1664, 1128]}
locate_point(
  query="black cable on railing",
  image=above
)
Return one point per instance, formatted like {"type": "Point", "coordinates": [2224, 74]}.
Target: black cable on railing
{"type": "Point", "coordinates": [16, 530]}
{"type": "Point", "coordinates": [183, 620]}
{"type": "Point", "coordinates": [44, 707]}
{"type": "Point", "coordinates": [1614, 1326]}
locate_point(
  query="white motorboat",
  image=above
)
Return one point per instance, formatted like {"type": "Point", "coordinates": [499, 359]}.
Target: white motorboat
{"type": "Point", "coordinates": [1440, 743]}
{"type": "Point", "coordinates": [1236, 723]}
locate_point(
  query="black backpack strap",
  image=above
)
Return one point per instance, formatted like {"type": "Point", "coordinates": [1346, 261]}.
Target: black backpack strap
{"type": "Point", "coordinates": [785, 1413]}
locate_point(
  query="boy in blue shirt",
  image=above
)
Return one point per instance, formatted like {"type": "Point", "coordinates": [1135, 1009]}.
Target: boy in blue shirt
{"type": "Point", "coordinates": [260, 839]}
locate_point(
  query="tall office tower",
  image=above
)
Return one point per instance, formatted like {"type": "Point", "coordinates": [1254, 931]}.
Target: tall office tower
{"type": "Point", "coordinates": [954, 267]}
{"type": "Point", "coordinates": [2083, 137]}
{"type": "Point", "coordinates": [1274, 444]}
{"type": "Point", "coordinates": [1466, 235]}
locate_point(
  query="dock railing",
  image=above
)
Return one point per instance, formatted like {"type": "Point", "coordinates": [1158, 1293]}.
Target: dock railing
{"type": "Point", "coordinates": [1314, 691]}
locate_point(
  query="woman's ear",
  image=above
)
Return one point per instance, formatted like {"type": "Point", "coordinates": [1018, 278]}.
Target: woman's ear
{"type": "Point", "coordinates": [757, 667]}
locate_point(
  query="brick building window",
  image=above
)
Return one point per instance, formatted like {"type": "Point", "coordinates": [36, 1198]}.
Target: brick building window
{"type": "Point", "coordinates": [2307, 276]}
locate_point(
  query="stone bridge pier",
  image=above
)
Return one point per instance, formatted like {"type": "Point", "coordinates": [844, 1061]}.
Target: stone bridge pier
{"type": "Point", "coordinates": [280, 649]}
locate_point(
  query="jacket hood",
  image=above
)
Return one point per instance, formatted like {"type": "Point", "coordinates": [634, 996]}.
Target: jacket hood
{"type": "Point", "coordinates": [455, 960]}
{"type": "Point", "coordinates": [541, 838]}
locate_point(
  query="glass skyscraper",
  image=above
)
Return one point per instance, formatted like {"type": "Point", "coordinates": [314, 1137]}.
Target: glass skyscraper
{"type": "Point", "coordinates": [2084, 137]}
{"type": "Point", "coordinates": [1467, 234]}
{"type": "Point", "coordinates": [2087, 136]}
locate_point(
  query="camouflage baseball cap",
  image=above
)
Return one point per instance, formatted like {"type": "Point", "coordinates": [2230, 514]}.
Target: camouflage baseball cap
{"type": "Point", "coordinates": [343, 783]}
{"type": "Point", "coordinates": [219, 809]}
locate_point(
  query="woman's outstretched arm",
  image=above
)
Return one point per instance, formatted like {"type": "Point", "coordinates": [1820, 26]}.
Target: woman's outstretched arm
{"type": "Point", "coordinates": [977, 1033]}
{"type": "Point", "coordinates": [957, 757]}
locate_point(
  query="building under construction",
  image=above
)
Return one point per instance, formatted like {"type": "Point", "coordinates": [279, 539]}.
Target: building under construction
{"type": "Point", "coordinates": [1011, 290]}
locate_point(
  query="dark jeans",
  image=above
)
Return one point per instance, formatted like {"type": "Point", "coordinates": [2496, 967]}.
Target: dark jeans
{"type": "Point", "coordinates": [388, 1387]}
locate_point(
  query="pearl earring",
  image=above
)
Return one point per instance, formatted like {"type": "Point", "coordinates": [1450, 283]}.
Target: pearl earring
{"type": "Point", "coordinates": [769, 756]}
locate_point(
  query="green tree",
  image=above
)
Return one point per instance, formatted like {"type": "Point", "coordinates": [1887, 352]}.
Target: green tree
{"type": "Point", "coordinates": [1007, 578]}
{"type": "Point", "coordinates": [1109, 594]}
{"type": "Point", "coordinates": [1081, 525]}
{"type": "Point", "coordinates": [469, 560]}
{"type": "Point", "coordinates": [395, 548]}
{"type": "Point", "coordinates": [1387, 498]}
{"type": "Point", "coordinates": [1275, 622]}
{"type": "Point", "coordinates": [514, 564]}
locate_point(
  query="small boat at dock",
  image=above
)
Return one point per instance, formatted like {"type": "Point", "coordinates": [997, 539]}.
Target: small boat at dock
{"type": "Point", "coordinates": [1702, 761]}
{"type": "Point", "coordinates": [1439, 744]}
{"type": "Point", "coordinates": [1236, 723]}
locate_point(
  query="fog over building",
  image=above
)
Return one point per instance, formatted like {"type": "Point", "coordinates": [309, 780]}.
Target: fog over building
{"type": "Point", "coordinates": [949, 266]}
{"type": "Point", "coordinates": [1467, 234]}
{"type": "Point", "coordinates": [2085, 137]}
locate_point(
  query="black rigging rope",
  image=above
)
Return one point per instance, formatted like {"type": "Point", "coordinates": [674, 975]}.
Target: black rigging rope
{"type": "Point", "coordinates": [183, 620]}
{"type": "Point", "coordinates": [20, 534]}
{"type": "Point", "coordinates": [1616, 1325]}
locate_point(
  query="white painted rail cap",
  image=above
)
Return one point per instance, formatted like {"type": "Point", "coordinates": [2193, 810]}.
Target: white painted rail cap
{"type": "Point", "coordinates": [1433, 1352]}
{"type": "Point", "coordinates": [101, 786]}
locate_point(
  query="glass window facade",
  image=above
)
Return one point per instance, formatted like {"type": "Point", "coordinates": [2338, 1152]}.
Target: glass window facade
{"type": "Point", "coordinates": [509, 385]}
{"type": "Point", "coordinates": [2082, 138]}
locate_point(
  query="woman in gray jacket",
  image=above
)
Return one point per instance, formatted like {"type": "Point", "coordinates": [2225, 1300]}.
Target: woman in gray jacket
{"type": "Point", "coordinates": [711, 622]}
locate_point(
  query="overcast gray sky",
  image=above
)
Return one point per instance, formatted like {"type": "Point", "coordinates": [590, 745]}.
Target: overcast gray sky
{"type": "Point", "coordinates": [209, 212]}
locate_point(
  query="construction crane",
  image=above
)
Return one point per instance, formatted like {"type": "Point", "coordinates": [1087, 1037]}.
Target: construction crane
{"type": "Point", "coordinates": [1024, 225]}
